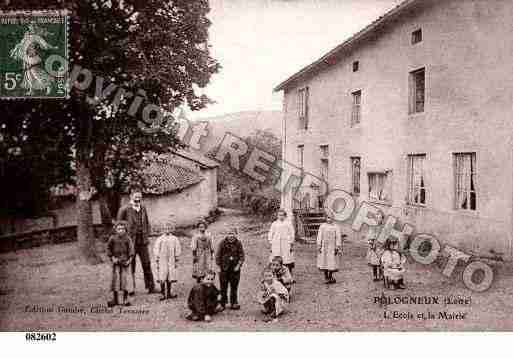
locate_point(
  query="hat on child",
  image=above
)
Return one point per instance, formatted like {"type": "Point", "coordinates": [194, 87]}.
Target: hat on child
{"type": "Point", "coordinates": [169, 227]}
{"type": "Point", "coordinates": [121, 224]}
{"type": "Point", "coordinates": [232, 230]}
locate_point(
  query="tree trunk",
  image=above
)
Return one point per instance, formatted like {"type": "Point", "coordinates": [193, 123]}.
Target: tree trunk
{"type": "Point", "coordinates": [85, 231]}
{"type": "Point", "coordinates": [114, 197]}
{"type": "Point", "coordinates": [105, 214]}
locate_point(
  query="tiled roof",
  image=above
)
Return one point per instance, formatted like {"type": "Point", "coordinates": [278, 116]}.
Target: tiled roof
{"type": "Point", "coordinates": [329, 58]}
{"type": "Point", "coordinates": [163, 177]}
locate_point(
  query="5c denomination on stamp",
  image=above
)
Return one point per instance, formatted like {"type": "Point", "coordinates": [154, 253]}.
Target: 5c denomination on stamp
{"type": "Point", "coordinates": [29, 41]}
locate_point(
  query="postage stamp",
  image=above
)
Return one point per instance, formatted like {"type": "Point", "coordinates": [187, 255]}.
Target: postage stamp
{"type": "Point", "coordinates": [28, 40]}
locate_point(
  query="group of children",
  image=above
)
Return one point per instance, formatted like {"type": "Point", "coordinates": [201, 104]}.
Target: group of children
{"type": "Point", "coordinates": [204, 299]}
{"type": "Point", "coordinates": [275, 287]}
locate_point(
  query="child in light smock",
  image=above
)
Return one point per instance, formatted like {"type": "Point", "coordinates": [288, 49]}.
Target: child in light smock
{"type": "Point", "coordinates": [272, 295]}
{"type": "Point", "coordinates": [375, 249]}
{"type": "Point", "coordinates": [329, 246]}
{"type": "Point", "coordinates": [167, 250]}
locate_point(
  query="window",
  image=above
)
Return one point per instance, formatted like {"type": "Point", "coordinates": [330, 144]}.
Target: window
{"type": "Point", "coordinates": [380, 186]}
{"type": "Point", "coordinates": [357, 107]}
{"type": "Point", "coordinates": [324, 173]}
{"type": "Point", "coordinates": [324, 169]}
{"type": "Point", "coordinates": [416, 180]}
{"type": "Point", "coordinates": [355, 175]}
{"type": "Point", "coordinates": [325, 152]}
{"type": "Point", "coordinates": [300, 155]}
{"type": "Point", "coordinates": [417, 91]}
{"type": "Point", "coordinates": [356, 66]}
{"type": "Point", "coordinates": [465, 181]}
{"type": "Point", "coordinates": [303, 107]}
{"type": "Point", "coordinates": [416, 36]}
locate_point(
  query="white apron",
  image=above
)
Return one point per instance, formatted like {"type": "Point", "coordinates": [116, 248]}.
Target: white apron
{"type": "Point", "coordinates": [167, 250]}
{"type": "Point", "coordinates": [281, 237]}
{"type": "Point", "coordinates": [329, 239]}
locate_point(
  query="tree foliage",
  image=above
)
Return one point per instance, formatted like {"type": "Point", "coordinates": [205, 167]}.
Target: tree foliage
{"type": "Point", "coordinates": [237, 188]}
{"type": "Point", "coordinates": [155, 48]}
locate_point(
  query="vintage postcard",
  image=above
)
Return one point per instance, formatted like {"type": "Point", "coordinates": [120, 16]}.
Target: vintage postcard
{"type": "Point", "coordinates": [263, 165]}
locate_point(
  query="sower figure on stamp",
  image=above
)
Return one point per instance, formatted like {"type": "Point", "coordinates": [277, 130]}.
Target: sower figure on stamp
{"type": "Point", "coordinates": [281, 238]}
{"type": "Point", "coordinates": [120, 250]}
{"type": "Point", "coordinates": [139, 229]}
{"type": "Point", "coordinates": [202, 252]}
{"type": "Point", "coordinates": [229, 258]}
{"type": "Point", "coordinates": [34, 77]}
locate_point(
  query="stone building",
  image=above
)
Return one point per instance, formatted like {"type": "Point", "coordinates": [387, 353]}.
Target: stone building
{"type": "Point", "coordinates": [413, 114]}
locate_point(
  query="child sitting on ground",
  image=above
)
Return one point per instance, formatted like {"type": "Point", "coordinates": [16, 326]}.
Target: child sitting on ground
{"type": "Point", "coordinates": [120, 250]}
{"type": "Point", "coordinates": [204, 299]}
{"type": "Point", "coordinates": [393, 264]}
{"type": "Point", "coordinates": [272, 295]}
{"type": "Point", "coordinates": [167, 250]}
{"type": "Point", "coordinates": [281, 272]}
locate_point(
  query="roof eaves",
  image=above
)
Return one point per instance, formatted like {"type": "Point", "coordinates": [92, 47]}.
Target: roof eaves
{"type": "Point", "coordinates": [200, 159]}
{"type": "Point", "coordinates": [347, 43]}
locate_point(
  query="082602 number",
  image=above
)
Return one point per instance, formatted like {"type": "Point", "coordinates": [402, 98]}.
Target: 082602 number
{"type": "Point", "coordinates": [40, 337]}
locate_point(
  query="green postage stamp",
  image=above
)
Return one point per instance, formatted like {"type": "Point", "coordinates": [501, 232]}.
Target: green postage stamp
{"type": "Point", "coordinates": [34, 54]}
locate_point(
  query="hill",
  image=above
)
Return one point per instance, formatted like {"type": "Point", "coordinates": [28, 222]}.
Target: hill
{"type": "Point", "coordinates": [242, 124]}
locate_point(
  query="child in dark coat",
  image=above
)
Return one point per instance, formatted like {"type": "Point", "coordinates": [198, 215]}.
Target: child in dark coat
{"type": "Point", "coordinates": [120, 250]}
{"type": "Point", "coordinates": [229, 258]}
{"type": "Point", "coordinates": [204, 299]}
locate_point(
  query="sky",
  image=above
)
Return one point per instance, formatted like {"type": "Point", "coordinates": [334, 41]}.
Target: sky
{"type": "Point", "coordinates": [260, 43]}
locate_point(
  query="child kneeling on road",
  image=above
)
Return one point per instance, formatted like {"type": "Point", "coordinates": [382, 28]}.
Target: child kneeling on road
{"type": "Point", "coordinates": [281, 272]}
{"type": "Point", "coordinates": [120, 250]}
{"type": "Point", "coordinates": [204, 299]}
{"type": "Point", "coordinates": [272, 295]}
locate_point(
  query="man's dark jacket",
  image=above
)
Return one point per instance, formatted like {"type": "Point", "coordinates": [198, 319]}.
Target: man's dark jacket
{"type": "Point", "coordinates": [129, 214]}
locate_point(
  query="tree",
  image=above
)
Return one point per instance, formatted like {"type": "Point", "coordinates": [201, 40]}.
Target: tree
{"type": "Point", "coordinates": [35, 155]}
{"type": "Point", "coordinates": [160, 47]}
{"type": "Point", "coordinates": [254, 195]}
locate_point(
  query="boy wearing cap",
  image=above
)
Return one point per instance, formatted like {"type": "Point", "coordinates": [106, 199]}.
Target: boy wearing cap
{"type": "Point", "coordinates": [229, 258]}
{"type": "Point", "coordinates": [120, 250]}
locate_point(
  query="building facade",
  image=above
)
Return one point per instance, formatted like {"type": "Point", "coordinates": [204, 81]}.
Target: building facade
{"type": "Point", "coordinates": [413, 114]}
{"type": "Point", "coordinates": [180, 188]}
